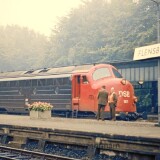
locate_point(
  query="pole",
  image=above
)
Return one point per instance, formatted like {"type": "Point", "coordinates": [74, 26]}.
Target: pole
{"type": "Point", "coordinates": [158, 15]}
{"type": "Point", "coordinates": [158, 41]}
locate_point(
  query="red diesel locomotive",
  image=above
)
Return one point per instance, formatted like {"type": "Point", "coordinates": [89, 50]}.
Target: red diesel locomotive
{"type": "Point", "coordinates": [68, 89]}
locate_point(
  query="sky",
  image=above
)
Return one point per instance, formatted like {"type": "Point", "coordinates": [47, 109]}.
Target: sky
{"type": "Point", "coordinates": [39, 15]}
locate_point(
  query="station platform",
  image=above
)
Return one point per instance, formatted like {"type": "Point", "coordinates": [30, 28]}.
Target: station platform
{"type": "Point", "coordinates": [125, 128]}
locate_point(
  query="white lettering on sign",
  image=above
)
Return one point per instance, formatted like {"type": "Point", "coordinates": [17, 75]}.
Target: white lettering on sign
{"type": "Point", "coordinates": [147, 52]}
{"type": "Point", "coordinates": [124, 94]}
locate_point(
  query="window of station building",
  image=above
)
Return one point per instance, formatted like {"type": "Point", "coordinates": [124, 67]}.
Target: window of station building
{"type": "Point", "coordinates": [116, 73]}
{"type": "Point", "coordinates": [146, 73]}
{"type": "Point", "coordinates": [123, 72]}
{"type": "Point", "coordinates": [132, 74]}
{"type": "Point", "coordinates": [155, 73]}
{"type": "Point", "coordinates": [101, 73]}
{"type": "Point", "coordinates": [137, 74]}
{"type": "Point", "coordinates": [142, 72]}
{"type": "Point", "coordinates": [151, 73]}
{"type": "Point", "coordinates": [128, 73]}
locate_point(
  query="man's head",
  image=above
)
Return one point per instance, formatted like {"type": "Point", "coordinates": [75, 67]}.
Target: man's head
{"type": "Point", "coordinates": [112, 89]}
{"type": "Point", "coordinates": [104, 87]}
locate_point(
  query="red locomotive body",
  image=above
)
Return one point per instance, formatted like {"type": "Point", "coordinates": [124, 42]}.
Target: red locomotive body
{"type": "Point", "coordinates": [68, 89]}
{"type": "Point", "coordinates": [87, 83]}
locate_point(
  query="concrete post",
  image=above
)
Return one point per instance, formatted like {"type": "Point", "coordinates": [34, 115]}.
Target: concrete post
{"type": "Point", "coordinates": [159, 98]}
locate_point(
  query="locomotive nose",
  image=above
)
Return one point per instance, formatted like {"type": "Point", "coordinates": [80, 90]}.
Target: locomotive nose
{"type": "Point", "coordinates": [126, 90]}
{"type": "Point", "coordinates": [127, 98]}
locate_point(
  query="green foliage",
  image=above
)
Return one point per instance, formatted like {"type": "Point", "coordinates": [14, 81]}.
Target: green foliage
{"type": "Point", "coordinates": [21, 48]}
{"type": "Point", "coordinates": [94, 32]}
{"type": "Point", "coordinates": [99, 32]}
{"type": "Point", "coordinates": [144, 100]}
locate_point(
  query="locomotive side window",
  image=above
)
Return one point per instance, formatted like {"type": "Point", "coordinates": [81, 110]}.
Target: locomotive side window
{"type": "Point", "coordinates": [101, 73]}
{"type": "Point", "coordinates": [116, 73]}
{"type": "Point", "coordinates": [84, 79]}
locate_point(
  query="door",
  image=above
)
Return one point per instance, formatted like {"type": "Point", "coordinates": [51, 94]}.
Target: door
{"type": "Point", "coordinates": [87, 95]}
{"type": "Point", "coordinates": [76, 82]}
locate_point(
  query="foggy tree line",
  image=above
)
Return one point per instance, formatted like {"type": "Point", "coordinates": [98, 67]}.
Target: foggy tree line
{"type": "Point", "coordinates": [96, 31]}
{"type": "Point", "coordinates": [21, 48]}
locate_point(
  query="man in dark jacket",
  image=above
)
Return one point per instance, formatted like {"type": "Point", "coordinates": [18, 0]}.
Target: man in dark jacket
{"type": "Point", "coordinates": [112, 100]}
{"type": "Point", "coordinates": [102, 102]}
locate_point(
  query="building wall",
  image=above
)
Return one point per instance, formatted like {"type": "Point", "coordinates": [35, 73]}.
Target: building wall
{"type": "Point", "coordinates": [139, 70]}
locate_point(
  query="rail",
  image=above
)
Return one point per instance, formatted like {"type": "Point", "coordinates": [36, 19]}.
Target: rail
{"type": "Point", "coordinates": [8, 153]}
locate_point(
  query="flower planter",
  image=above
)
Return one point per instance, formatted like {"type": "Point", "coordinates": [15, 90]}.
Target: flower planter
{"type": "Point", "coordinates": [40, 110]}
{"type": "Point", "coordinates": [40, 115]}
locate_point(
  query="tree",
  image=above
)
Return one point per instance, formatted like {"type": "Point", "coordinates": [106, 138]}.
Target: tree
{"type": "Point", "coordinates": [21, 48]}
{"type": "Point", "coordinates": [99, 31]}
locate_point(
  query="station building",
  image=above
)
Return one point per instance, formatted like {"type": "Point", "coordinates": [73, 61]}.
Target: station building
{"type": "Point", "coordinates": [143, 73]}
{"type": "Point", "coordinates": [143, 76]}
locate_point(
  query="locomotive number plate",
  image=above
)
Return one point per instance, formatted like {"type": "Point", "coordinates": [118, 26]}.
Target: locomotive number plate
{"type": "Point", "coordinates": [125, 101]}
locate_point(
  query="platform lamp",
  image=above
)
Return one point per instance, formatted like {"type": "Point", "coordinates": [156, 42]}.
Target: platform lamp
{"type": "Point", "coordinates": [141, 82]}
{"type": "Point", "coordinates": [157, 2]}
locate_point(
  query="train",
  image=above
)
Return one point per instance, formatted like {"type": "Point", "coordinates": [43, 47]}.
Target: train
{"type": "Point", "coordinates": [70, 89]}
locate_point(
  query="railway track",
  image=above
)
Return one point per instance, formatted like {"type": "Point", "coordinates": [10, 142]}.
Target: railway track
{"type": "Point", "coordinates": [101, 144]}
{"type": "Point", "coordinates": [8, 153]}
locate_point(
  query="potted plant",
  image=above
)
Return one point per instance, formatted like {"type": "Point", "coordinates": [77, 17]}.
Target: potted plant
{"type": "Point", "coordinates": [40, 110]}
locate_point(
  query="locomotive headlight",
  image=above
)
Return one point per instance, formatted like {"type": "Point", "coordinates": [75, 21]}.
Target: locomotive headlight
{"type": "Point", "coordinates": [123, 81]}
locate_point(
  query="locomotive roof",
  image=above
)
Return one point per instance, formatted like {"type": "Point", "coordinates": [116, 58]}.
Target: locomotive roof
{"type": "Point", "coordinates": [44, 73]}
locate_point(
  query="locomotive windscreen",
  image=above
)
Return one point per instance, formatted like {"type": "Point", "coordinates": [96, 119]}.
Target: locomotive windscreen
{"type": "Point", "coordinates": [116, 73]}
